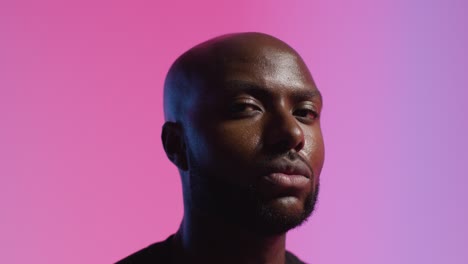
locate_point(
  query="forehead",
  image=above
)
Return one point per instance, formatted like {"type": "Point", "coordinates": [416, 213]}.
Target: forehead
{"type": "Point", "coordinates": [281, 70]}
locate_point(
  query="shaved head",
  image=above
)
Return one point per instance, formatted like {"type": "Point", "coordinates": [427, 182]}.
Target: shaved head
{"type": "Point", "coordinates": [205, 64]}
{"type": "Point", "coordinates": [242, 125]}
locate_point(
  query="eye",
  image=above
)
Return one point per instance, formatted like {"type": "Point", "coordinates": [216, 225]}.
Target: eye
{"type": "Point", "coordinates": [244, 108]}
{"type": "Point", "coordinates": [306, 113]}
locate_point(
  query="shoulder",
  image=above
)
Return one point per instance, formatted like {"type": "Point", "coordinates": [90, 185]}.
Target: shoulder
{"type": "Point", "coordinates": [156, 253]}
{"type": "Point", "coordinates": [292, 259]}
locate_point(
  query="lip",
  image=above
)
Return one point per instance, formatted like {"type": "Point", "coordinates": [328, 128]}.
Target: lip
{"type": "Point", "coordinates": [287, 180]}
{"type": "Point", "coordinates": [290, 168]}
{"type": "Point", "coordinates": [286, 174]}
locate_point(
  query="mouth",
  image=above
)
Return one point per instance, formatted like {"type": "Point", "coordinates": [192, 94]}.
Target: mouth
{"type": "Point", "coordinates": [288, 175]}
{"type": "Point", "coordinates": [286, 167]}
{"type": "Point", "coordinates": [287, 180]}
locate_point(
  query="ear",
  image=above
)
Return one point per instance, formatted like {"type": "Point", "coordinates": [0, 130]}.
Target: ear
{"type": "Point", "coordinates": [173, 141]}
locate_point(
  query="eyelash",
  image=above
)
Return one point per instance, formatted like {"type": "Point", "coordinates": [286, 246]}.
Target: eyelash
{"type": "Point", "coordinates": [239, 108]}
{"type": "Point", "coordinates": [308, 111]}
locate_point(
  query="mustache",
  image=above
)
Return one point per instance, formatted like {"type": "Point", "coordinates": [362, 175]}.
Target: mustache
{"type": "Point", "coordinates": [291, 158]}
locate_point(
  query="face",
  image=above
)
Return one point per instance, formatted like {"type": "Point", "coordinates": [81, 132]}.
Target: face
{"type": "Point", "coordinates": [254, 143]}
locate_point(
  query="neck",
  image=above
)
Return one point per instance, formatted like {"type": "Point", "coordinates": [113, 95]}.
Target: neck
{"type": "Point", "coordinates": [208, 239]}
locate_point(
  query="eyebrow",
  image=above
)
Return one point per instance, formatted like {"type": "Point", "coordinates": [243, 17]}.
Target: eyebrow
{"type": "Point", "coordinates": [235, 86]}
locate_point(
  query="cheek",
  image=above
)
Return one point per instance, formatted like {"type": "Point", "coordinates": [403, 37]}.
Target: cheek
{"type": "Point", "coordinates": [237, 139]}
{"type": "Point", "coordinates": [314, 150]}
{"type": "Point", "coordinates": [227, 145]}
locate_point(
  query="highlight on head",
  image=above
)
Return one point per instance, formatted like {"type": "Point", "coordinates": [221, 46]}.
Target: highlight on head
{"type": "Point", "coordinates": [202, 64]}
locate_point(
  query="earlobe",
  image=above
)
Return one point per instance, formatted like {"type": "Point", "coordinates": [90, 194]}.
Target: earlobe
{"type": "Point", "coordinates": [174, 144]}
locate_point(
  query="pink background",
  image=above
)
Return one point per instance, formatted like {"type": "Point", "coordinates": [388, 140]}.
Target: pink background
{"type": "Point", "coordinates": [83, 178]}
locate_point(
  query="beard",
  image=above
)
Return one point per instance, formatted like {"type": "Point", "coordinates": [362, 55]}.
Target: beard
{"type": "Point", "coordinates": [243, 206]}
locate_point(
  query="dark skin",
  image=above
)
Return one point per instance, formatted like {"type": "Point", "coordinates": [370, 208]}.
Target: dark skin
{"type": "Point", "coordinates": [242, 111]}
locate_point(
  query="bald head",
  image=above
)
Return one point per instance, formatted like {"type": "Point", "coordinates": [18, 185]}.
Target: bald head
{"type": "Point", "coordinates": [205, 66]}
{"type": "Point", "coordinates": [241, 110]}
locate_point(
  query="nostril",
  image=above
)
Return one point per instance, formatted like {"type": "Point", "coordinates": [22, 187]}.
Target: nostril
{"type": "Point", "coordinates": [299, 146]}
{"type": "Point", "coordinates": [287, 143]}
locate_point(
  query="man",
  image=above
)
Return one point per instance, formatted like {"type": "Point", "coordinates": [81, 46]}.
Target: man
{"type": "Point", "coordinates": [243, 127]}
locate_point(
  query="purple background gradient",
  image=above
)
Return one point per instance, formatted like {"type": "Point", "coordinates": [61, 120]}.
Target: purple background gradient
{"type": "Point", "coordinates": [84, 179]}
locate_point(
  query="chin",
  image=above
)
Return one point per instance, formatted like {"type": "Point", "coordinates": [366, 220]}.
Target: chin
{"type": "Point", "coordinates": [283, 214]}
{"type": "Point", "coordinates": [244, 206]}
{"type": "Point", "coordinates": [288, 206]}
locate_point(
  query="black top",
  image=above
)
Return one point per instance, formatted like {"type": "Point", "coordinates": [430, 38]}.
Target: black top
{"type": "Point", "coordinates": [160, 253]}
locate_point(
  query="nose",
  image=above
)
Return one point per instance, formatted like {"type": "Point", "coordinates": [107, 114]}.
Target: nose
{"type": "Point", "coordinates": [284, 133]}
